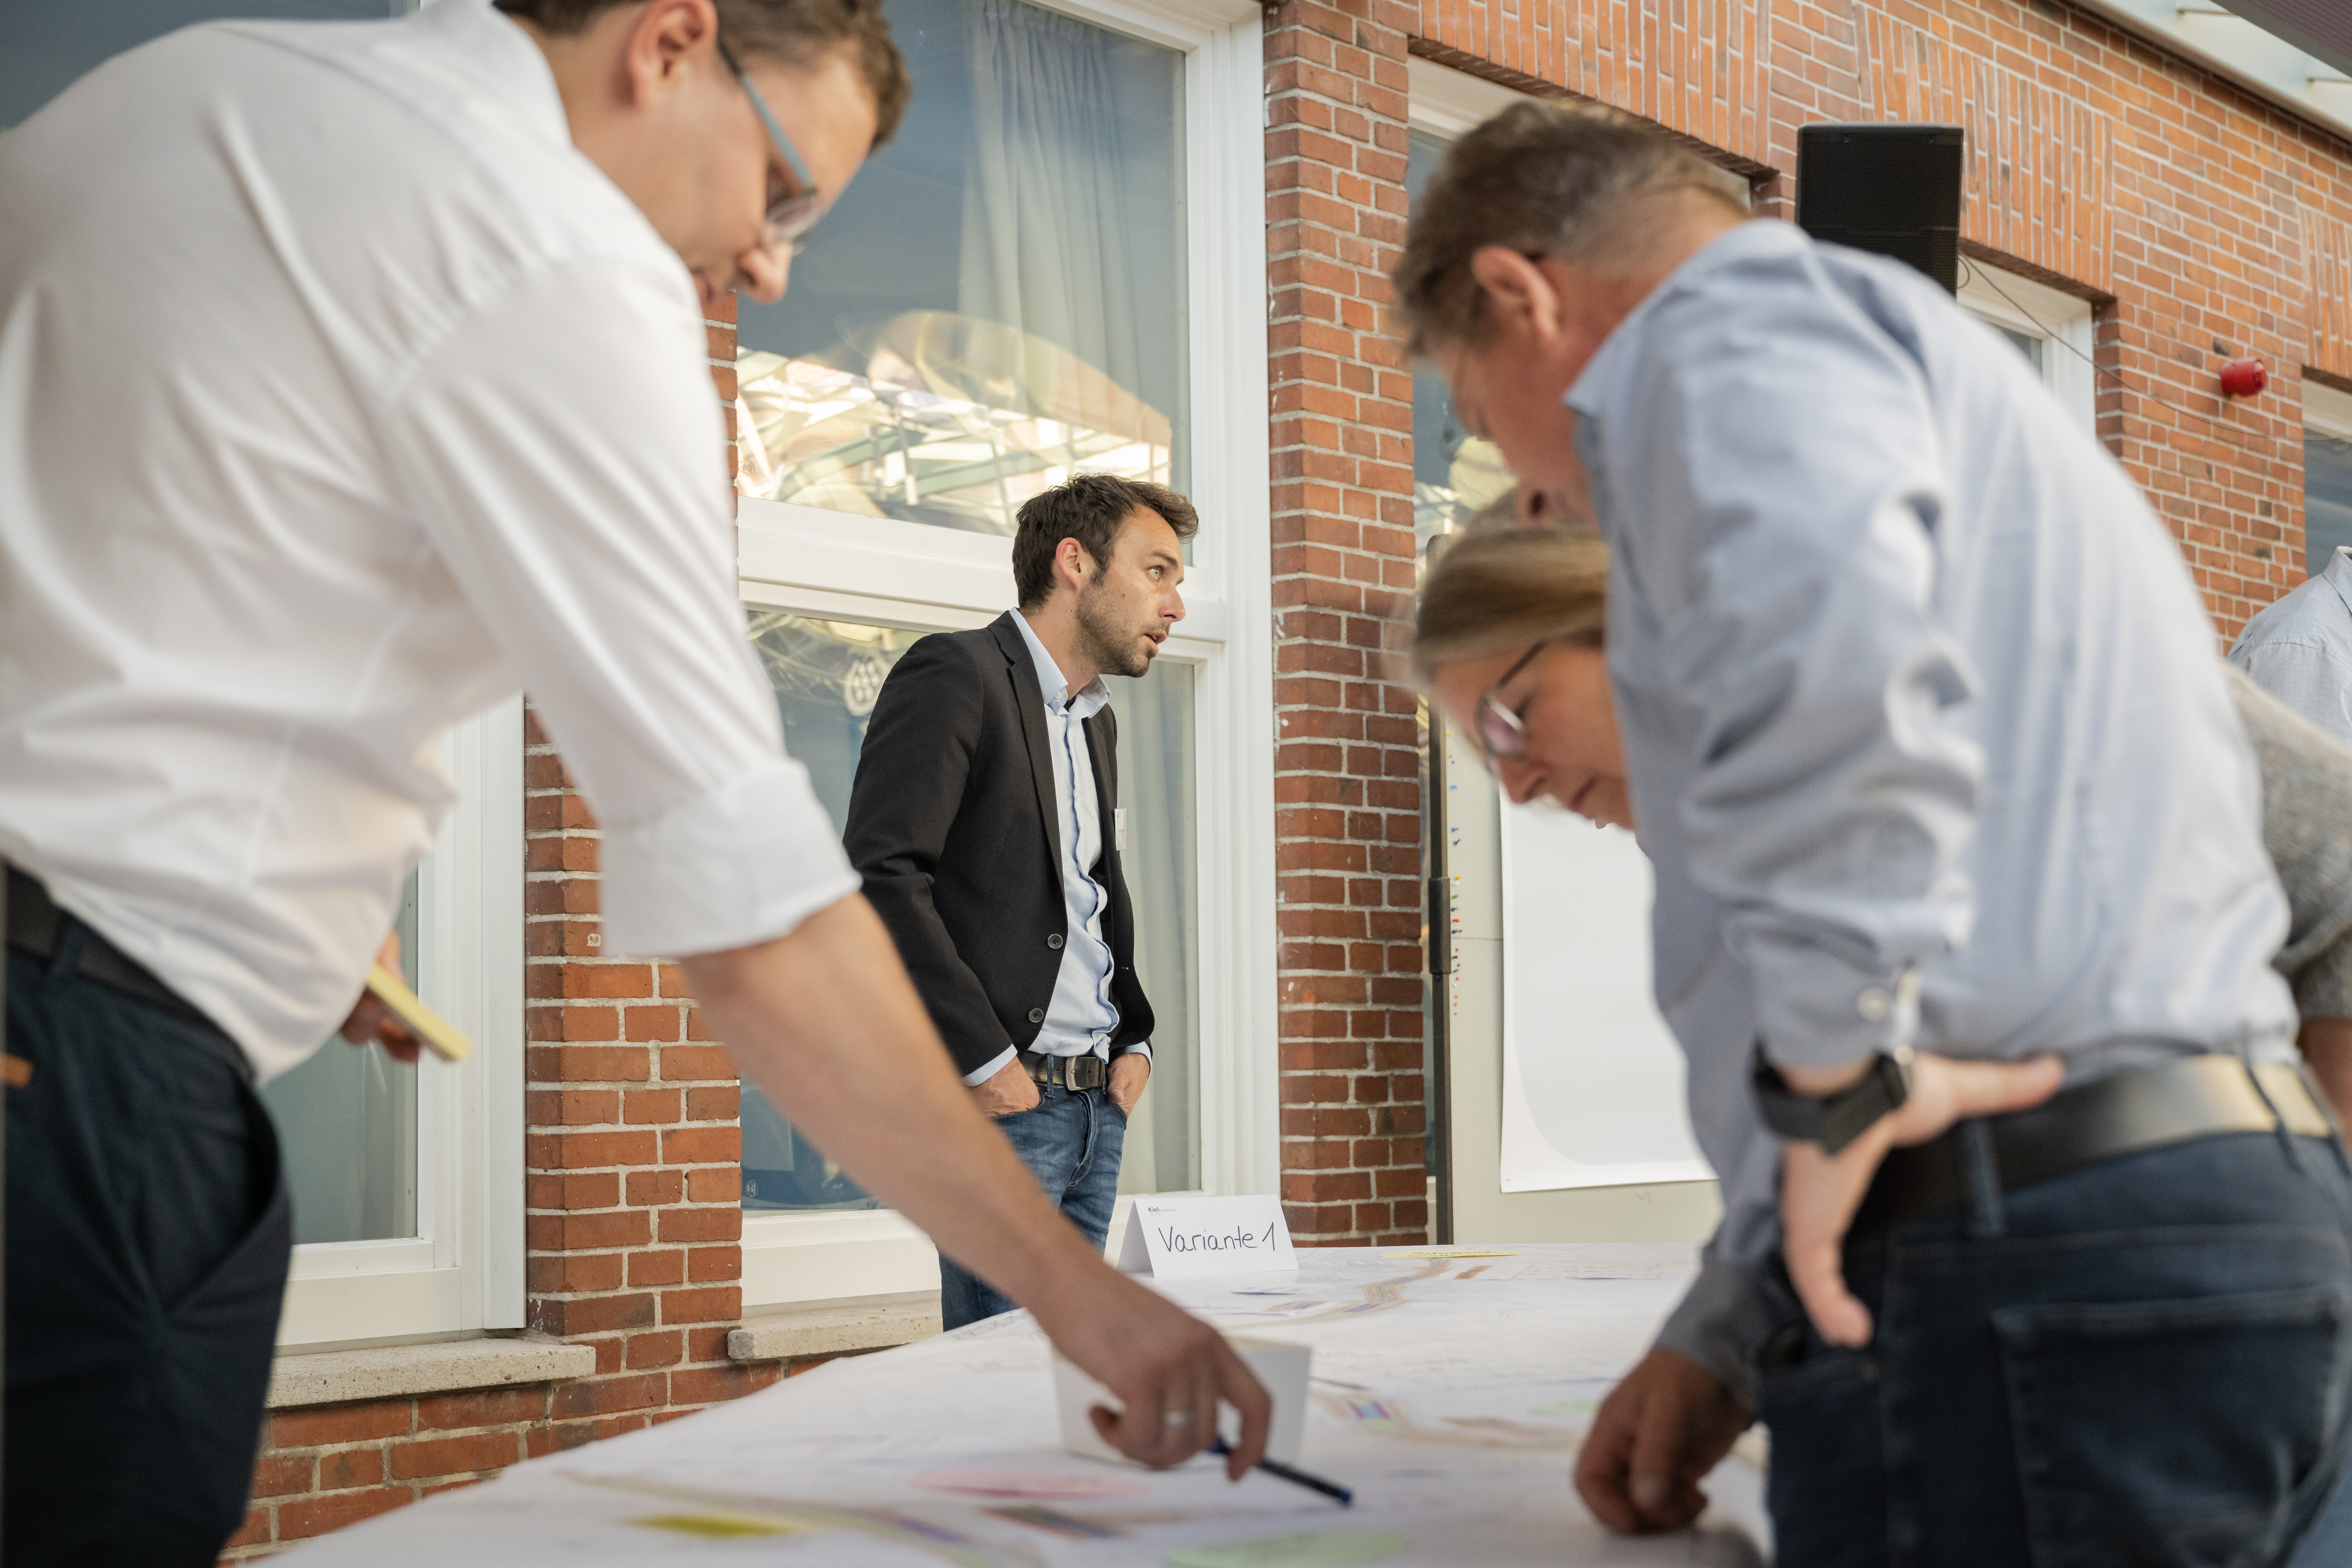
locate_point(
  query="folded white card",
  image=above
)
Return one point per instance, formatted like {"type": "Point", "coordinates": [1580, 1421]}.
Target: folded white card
{"type": "Point", "coordinates": [1174, 1237]}
{"type": "Point", "coordinates": [1282, 1368]}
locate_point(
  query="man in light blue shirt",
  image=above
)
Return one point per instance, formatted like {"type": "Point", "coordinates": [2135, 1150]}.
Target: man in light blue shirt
{"type": "Point", "coordinates": [985, 822]}
{"type": "Point", "coordinates": [1947, 803]}
{"type": "Point", "coordinates": [2300, 648]}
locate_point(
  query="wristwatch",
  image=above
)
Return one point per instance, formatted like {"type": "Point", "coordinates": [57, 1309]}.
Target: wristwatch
{"type": "Point", "coordinates": [1837, 1120]}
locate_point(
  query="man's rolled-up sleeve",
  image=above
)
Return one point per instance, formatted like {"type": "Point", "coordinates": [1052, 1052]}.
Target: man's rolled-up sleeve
{"type": "Point", "coordinates": [1781, 491]}
{"type": "Point", "coordinates": [564, 451]}
{"type": "Point", "coordinates": [1723, 1320]}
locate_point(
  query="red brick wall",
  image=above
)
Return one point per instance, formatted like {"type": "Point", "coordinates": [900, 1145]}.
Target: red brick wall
{"type": "Point", "coordinates": [2207, 223]}
{"type": "Point", "coordinates": [328, 1466]}
{"type": "Point", "coordinates": [1346, 774]}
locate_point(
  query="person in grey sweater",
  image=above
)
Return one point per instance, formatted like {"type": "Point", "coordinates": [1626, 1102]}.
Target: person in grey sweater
{"type": "Point", "coordinates": [2307, 828]}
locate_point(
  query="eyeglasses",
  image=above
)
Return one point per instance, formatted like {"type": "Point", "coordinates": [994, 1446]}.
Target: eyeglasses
{"type": "Point", "coordinates": [792, 215]}
{"type": "Point", "coordinates": [1501, 732]}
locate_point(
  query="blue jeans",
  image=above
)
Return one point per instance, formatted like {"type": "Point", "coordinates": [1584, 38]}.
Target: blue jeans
{"type": "Point", "coordinates": [1071, 1141]}
{"type": "Point", "coordinates": [2146, 1362]}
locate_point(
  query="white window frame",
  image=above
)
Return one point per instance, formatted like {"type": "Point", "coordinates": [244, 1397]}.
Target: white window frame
{"type": "Point", "coordinates": [2326, 410]}
{"type": "Point", "coordinates": [2062, 322]}
{"type": "Point", "coordinates": [462, 1271]}
{"type": "Point", "coordinates": [889, 572]}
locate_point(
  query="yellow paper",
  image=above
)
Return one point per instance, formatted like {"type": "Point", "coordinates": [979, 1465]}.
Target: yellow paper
{"type": "Point", "coordinates": [439, 1036]}
{"type": "Point", "coordinates": [720, 1524]}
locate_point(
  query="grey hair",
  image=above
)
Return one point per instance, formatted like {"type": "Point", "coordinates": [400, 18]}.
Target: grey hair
{"type": "Point", "coordinates": [1543, 178]}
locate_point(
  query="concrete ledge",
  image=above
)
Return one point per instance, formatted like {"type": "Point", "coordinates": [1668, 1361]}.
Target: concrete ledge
{"type": "Point", "coordinates": [830, 1330]}
{"type": "Point", "coordinates": [335, 1377]}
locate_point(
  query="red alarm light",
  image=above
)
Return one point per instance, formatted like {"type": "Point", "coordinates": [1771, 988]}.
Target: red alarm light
{"type": "Point", "coordinates": [2244, 377]}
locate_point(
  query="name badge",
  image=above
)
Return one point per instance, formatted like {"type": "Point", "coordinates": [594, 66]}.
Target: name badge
{"type": "Point", "coordinates": [1119, 828]}
{"type": "Point", "coordinates": [1179, 1237]}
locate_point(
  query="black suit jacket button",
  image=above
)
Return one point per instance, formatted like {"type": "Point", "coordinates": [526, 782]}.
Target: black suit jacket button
{"type": "Point", "coordinates": [1055, 939]}
{"type": "Point", "coordinates": [1037, 1015]}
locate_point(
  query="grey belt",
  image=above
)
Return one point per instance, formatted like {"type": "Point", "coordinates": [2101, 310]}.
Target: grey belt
{"type": "Point", "coordinates": [1088, 1071]}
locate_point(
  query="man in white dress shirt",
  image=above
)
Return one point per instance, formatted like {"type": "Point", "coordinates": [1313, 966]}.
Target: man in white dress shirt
{"type": "Point", "coordinates": [353, 376]}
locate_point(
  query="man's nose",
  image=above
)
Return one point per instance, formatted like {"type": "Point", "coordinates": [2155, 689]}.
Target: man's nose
{"type": "Point", "coordinates": [765, 273]}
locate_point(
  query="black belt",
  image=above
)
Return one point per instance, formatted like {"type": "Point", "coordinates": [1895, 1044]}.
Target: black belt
{"type": "Point", "coordinates": [37, 927]}
{"type": "Point", "coordinates": [1088, 1071]}
{"type": "Point", "coordinates": [2126, 1113]}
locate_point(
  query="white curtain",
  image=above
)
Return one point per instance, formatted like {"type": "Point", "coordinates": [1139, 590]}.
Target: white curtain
{"type": "Point", "coordinates": [1155, 785]}
{"type": "Point", "coordinates": [1047, 214]}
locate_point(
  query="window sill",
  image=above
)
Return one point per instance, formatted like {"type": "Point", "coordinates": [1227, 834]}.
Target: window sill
{"type": "Point", "coordinates": [833, 1330]}
{"type": "Point", "coordinates": [393, 1372]}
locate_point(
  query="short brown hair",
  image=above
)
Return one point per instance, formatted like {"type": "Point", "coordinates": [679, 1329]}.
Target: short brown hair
{"type": "Point", "coordinates": [1542, 178]}
{"type": "Point", "coordinates": [1501, 585]}
{"type": "Point", "coordinates": [1090, 509]}
{"type": "Point", "coordinates": [801, 33]}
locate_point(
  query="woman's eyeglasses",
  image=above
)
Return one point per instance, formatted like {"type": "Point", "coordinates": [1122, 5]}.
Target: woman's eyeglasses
{"type": "Point", "coordinates": [789, 217]}
{"type": "Point", "coordinates": [1501, 732]}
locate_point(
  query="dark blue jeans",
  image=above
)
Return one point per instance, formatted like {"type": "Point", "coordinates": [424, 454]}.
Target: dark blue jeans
{"type": "Point", "coordinates": [2146, 1362]}
{"type": "Point", "coordinates": [1071, 1141]}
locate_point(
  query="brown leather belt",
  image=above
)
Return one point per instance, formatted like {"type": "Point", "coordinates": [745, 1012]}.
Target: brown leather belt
{"type": "Point", "coordinates": [36, 927]}
{"type": "Point", "coordinates": [1088, 1071]}
{"type": "Point", "coordinates": [2127, 1113]}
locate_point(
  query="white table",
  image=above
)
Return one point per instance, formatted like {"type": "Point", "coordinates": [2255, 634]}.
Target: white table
{"type": "Point", "coordinates": [1450, 1391]}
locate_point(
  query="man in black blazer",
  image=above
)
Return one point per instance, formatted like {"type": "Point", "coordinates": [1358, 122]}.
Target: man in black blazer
{"type": "Point", "coordinates": [985, 820]}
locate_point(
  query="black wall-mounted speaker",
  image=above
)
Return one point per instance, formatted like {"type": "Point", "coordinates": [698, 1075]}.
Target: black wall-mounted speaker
{"type": "Point", "coordinates": [1891, 189]}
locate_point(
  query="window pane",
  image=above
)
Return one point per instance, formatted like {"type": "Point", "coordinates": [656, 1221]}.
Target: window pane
{"type": "Point", "coordinates": [999, 298]}
{"type": "Point", "coordinates": [826, 675]}
{"type": "Point", "coordinates": [347, 1129]}
{"type": "Point", "coordinates": [1454, 473]}
{"type": "Point", "coordinates": [1156, 787]}
{"type": "Point", "coordinates": [46, 48]}
{"type": "Point", "coordinates": [2025, 343]}
{"type": "Point", "coordinates": [2326, 498]}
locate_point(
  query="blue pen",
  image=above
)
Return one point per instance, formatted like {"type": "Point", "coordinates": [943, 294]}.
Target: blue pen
{"type": "Point", "coordinates": [1296, 1477]}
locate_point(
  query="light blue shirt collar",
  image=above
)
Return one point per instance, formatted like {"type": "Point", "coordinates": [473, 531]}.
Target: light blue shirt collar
{"type": "Point", "coordinates": [1084, 704]}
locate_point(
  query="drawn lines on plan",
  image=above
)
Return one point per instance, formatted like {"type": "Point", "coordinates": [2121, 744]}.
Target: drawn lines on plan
{"type": "Point", "coordinates": [1389, 1417]}
{"type": "Point", "coordinates": [1380, 1296]}
{"type": "Point", "coordinates": [734, 1512]}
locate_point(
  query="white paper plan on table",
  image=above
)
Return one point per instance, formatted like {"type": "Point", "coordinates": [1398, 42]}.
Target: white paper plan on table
{"type": "Point", "coordinates": [1451, 1389]}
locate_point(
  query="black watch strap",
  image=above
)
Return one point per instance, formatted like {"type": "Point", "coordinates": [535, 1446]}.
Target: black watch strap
{"type": "Point", "coordinates": [1835, 1120]}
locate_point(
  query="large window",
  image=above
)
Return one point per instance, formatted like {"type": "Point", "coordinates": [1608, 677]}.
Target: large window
{"type": "Point", "coordinates": [998, 302]}
{"type": "Point", "coordinates": [1056, 267]}
{"type": "Point", "coordinates": [2327, 474]}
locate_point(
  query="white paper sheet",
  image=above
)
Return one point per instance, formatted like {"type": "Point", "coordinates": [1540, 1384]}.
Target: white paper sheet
{"type": "Point", "coordinates": [1592, 1079]}
{"type": "Point", "coordinates": [1453, 1407]}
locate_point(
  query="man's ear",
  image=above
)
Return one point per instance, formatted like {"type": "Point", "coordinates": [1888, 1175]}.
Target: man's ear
{"type": "Point", "coordinates": [660, 41]}
{"type": "Point", "coordinates": [1071, 560]}
{"type": "Point", "coordinates": [1520, 298]}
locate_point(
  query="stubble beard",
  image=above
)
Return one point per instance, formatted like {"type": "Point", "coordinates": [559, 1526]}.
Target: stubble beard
{"type": "Point", "coordinates": [1110, 646]}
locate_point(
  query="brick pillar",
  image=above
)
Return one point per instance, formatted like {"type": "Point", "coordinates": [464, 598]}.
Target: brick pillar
{"type": "Point", "coordinates": [1347, 771]}
{"type": "Point", "coordinates": [632, 1155]}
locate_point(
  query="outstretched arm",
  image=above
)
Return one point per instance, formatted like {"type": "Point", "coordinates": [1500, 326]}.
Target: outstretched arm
{"type": "Point", "coordinates": [824, 1021]}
